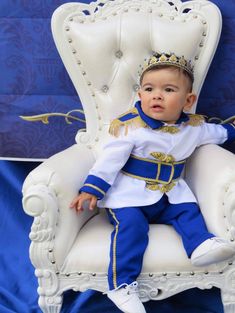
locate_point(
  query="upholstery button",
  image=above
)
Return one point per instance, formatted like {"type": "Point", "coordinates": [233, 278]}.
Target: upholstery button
{"type": "Point", "coordinates": [105, 88]}
{"type": "Point", "coordinates": [136, 87]}
{"type": "Point", "coordinates": [118, 54]}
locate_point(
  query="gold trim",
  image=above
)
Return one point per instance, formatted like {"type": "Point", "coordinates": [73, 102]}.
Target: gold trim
{"type": "Point", "coordinates": [168, 158]}
{"type": "Point", "coordinates": [154, 183]}
{"type": "Point", "coordinates": [115, 249]}
{"type": "Point", "coordinates": [219, 120]}
{"type": "Point", "coordinates": [163, 189]}
{"type": "Point", "coordinates": [155, 161]}
{"type": "Point", "coordinates": [195, 120]}
{"type": "Point", "coordinates": [169, 129]}
{"type": "Point", "coordinates": [44, 118]}
{"type": "Point", "coordinates": [148, 180]}
{"type": "Point", "coordinates": [135, 121]}
{"type": "Point", "coordinates": [95, 187]}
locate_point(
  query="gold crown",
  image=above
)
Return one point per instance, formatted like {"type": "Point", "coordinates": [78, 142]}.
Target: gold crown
{"type": "Point", "coordinates": [159, 59]}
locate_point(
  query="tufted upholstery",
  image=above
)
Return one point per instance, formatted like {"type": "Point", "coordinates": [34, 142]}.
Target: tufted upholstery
{"type": "Point", "coordinates": [102, 46]}
{"type": "Point", "coordinates": [102, 63]}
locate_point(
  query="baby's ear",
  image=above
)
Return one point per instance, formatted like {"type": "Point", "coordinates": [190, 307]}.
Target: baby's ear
{"type": "Point", "coordinates": [139, 94]}
{"type": "Point", "coordinates": [190, 100]}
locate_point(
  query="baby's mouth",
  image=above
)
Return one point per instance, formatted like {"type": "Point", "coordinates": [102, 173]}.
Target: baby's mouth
{"type": "Point", "coordinates": [157, 108]}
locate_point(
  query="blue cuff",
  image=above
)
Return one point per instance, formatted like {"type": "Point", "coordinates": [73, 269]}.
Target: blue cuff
{"type": "Point", "coordinates": [95, 186]}
{"type": "Point", "coordinates": [231, 131]}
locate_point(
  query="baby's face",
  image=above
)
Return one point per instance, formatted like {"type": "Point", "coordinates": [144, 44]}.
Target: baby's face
{"type": "Point", "coordinates": [164, 94]}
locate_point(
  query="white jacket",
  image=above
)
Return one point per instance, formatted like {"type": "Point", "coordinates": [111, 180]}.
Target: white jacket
{"type": "Point", "coordinates": [140, 135]}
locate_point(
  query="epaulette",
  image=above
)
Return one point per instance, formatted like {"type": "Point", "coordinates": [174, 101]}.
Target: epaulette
{"type": "Point", "coordinates": [195, 120]}
{"type": "Point", "coordinates": [129, 119]}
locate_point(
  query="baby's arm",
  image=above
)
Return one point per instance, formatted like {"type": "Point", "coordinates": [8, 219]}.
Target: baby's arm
{"type": "Point", "coordinates": [217, 133]}
{"type": "Point", "coordinates": [106, 168]}
{"type": "Point", "coordinates": [78, 201]}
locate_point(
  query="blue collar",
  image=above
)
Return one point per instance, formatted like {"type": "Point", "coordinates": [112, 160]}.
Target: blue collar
{"type": "Point", "coordinates": [155, 124]}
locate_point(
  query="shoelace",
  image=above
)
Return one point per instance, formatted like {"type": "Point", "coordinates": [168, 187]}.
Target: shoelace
{"type": "Point", "coordinates": [131, 288]}
{"type": "Point", "coordinates": [218, 239]}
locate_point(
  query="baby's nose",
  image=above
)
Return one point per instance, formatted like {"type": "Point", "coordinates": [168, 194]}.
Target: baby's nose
{"type": "Point", "coordinates": [157, 95]}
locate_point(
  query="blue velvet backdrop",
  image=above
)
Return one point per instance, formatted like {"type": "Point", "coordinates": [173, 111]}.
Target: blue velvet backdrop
{"type": "Point", "coordinates": [33, 81]}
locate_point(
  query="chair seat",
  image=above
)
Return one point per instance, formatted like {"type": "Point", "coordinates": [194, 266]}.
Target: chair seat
{"type": "Point", "coordinates": [90, 251]}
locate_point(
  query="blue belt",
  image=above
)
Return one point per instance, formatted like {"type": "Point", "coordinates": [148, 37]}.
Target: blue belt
{"type": "Point", "coordinates": [152, 170]}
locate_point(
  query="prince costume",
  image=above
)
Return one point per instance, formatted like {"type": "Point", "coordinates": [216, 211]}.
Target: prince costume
{"type": "Point", "coordinates": [138, 179]}
{"type": "Point", "coordinates": [132, 174]}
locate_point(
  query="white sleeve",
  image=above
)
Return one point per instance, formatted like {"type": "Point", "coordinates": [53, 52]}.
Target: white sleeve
{"type": "Point", "coordinates": [212, 133]}
{"type": "Point", "coordinates": [114, 156]}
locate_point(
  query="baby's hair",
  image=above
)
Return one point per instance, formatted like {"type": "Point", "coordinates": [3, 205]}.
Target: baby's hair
{"type": "Point", "coordinates": [159, 67]}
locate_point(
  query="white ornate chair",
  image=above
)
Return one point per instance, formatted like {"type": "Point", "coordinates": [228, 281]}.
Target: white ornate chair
{"type": "Point", "coordinates": [102, 46]}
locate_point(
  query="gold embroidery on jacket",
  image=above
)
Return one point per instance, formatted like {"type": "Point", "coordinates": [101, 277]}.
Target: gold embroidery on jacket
{"type": "Point", "coordinates": [195, 120]}
{"type": "Point", "coordinates": [134, 121]}
{"type": "Point", "coordinates": [162, 188]}
{"type": "Point", "coordinates": [168, 158]}
{"type": "Point", "coordinates": [169, 129]}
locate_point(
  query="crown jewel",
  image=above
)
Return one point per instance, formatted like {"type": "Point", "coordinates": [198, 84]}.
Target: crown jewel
{"type": "Point", "coordinates": [159, 59]}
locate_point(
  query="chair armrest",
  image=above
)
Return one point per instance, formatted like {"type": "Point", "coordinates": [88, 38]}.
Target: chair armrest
{"type": "Point", "coordinates": [210, 173]}
{"type": "Point", "coordinates": [47, 193]}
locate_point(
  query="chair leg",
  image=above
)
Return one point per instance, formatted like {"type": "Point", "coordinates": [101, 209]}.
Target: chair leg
{"type": "Point", "coordinates": [50, 304]}
{"type": "Point", "coordinates": [228, 299]}
{"type": "Point", "coordinates": [229, 307]}
{"type": "Point", "coordinates": [50, 298]}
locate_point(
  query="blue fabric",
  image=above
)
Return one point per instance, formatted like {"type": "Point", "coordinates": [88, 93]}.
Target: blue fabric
{"type": "Point", "coordinates": [129, 238]}
{"type": "Point", "coordinates": [91, 184]}
{"type": "Point", "coordinates": [231, 132]}
{"type": "Point", "coordinates": [155, 124]}
{"type": "Point", "coordinates": [157, 171]}
{"type": "Point", "coordinates": [33, 81]}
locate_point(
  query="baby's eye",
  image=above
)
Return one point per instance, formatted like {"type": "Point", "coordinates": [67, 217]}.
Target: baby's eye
{"type": "Point", "coordinates": [169, 89]}
{"type": "Point", "coordinates": [149, 89]}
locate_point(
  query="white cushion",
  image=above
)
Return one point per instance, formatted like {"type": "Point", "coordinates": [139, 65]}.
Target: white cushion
{"type": "Point", "coordinates": [165, 252]}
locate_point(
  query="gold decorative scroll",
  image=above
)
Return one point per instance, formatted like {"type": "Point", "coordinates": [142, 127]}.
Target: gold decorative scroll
{"type": "Point", "coordinates": [218, 120]}
{"type": "Point", "coordinates": [44, 118]}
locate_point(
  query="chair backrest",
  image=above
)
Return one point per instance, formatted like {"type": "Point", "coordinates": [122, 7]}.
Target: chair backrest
{"type": "Point", "coordinates": [104, 43]}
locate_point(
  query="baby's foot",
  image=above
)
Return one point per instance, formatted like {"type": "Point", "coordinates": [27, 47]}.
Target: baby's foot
{"type": "Point", "coordinates": [126, 298]}
{"type": "Point", "coordinates": [211, 251]}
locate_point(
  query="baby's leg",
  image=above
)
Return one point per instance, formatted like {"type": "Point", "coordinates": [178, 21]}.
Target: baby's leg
{"type": "Point", "coordinates": [203, 247]}
{"type": "Point", "coordinates": [188, 221]}
{"type": "Point", "coordinates": [129, 240]}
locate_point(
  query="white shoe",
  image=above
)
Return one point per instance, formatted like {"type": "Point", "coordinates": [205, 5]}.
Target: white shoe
{"type": "Point", "coordinates": [125, 297]}
{"type": "Point", "coordinates": [211, 251]}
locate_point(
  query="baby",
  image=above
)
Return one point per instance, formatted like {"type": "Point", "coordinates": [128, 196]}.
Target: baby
{"type": "Point", "coordinates": [138, 179]}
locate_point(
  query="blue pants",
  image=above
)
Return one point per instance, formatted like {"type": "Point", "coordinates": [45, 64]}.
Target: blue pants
{"type": "Point", "coordinates": [129, 238]}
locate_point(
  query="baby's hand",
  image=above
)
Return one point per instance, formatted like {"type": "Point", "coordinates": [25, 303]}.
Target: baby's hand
{"type": "Point", "coordinates": [78, 201]}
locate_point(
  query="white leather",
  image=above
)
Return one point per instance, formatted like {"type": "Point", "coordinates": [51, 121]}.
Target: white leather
{"type": "Point", "coordinates": [62, 175]}
{"type": "Point", "coordinates": [164, 253]}
{"type": "Point", "coordinates": [104, 65]}
{"type": "Point", "coordinates": [210, 172]}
